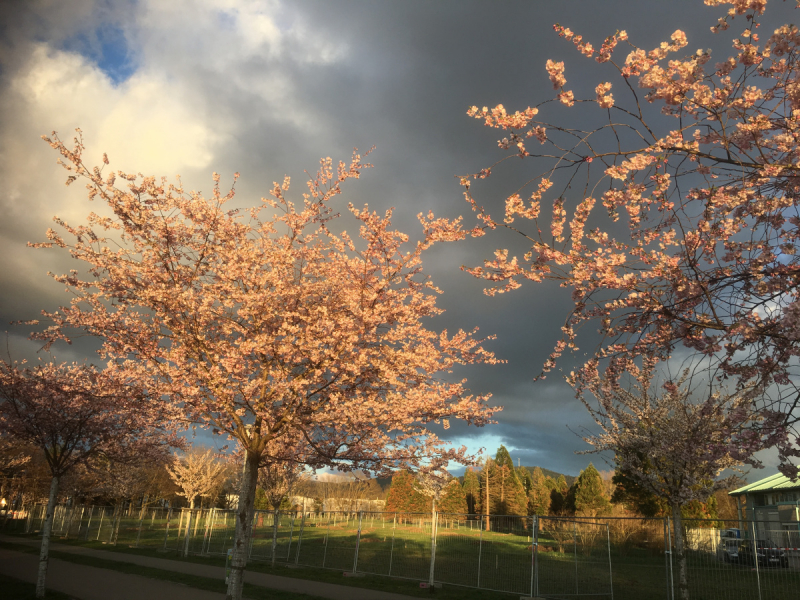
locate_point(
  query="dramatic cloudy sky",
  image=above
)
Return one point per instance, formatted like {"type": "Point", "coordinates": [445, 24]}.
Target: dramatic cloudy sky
{"type": "Point", "coordinates": [266, 88]}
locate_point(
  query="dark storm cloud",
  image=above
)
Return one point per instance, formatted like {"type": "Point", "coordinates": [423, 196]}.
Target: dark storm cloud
{"type": "Point", "coordinates": [267, 88]}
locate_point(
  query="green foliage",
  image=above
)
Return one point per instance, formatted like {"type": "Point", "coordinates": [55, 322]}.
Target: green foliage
{"type": "Point", "coordinates": [631, 495]}
{"type": "Point", "coordinates": [538, 494]}
{"type": "Point", "coordinates": [525, 477]}
{"type": "Point", "coordinates": [472, 490]}
{"type": "Point", "coordinates": [453, 499]}
{"type": "Point", "coordinates": [558, 494]}
{"type": "Point", "coordinates": [263, 503]}
{"type": "Point", "coordinates": [403, 497]}
{"type": "Point", "coordinates": [506, 492]}
{"type": "Point", "coordinates": [588, 495]}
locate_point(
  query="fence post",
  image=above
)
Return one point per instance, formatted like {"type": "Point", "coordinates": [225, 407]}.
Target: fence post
{"type": "Point", "coordinates": [434, 527]}
{"type": "Point", "coordinates": [166, 528]}
{"type": "Point", "coordinates": [610, 575]}
{"type": "Point", "coordinates": [115, 529]}
{"type": "Point", "coordinates": [480, 550]}
{"type": "Point", "coordinates": [100, 527]}
{"type": "Point", "coordinates": [575, 553]}
{"type": "Point", "coordinates": [755, 555]}
{"type": "Point", "coordinates": [139, 533]}
{"type": "Point", "coordinates": [89, 524]}
{"type": "Point", "coordinates": [668, 542]}
{"type": "Point", "coordinates": [291, 532]}
{"type": "Point", "coordinates": [325, 551]}
{"type": "Point", "coordinates": [188, 535]}
{"type": "Point", "coordinates": [533, 553]}
{"type": "Point", "coordinates": [300, 539]}
{"type": "Point", "coordinates": [30, 518]}
{"type": "Point", "coordinates": [206, 540]}
{"type": "Point", "coordinates": [69, 522]}
{"type": "Point", "coordinates": [358, 541]}
{"type": "Point", "coordinates": [391, 549]}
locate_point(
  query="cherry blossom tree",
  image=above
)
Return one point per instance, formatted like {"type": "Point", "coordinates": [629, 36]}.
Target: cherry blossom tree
{"type": "Point", "coordinates": [73, 414]}
{"type": "Point", "coordinates": [674, 441]}
{"type": "Point", "coordinates": [674, 222]}
{"type": "Point", "coordinates": [196, 473]}
{"type": "Point", "coordinates": [264, 325]}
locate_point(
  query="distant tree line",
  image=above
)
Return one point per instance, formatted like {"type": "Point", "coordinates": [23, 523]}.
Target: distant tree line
{"type": "Point", "coordinates": [497, 487]}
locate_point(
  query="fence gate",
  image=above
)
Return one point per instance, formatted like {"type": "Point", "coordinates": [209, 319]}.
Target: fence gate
{"type": "Point", "coordinates": [572, 559]}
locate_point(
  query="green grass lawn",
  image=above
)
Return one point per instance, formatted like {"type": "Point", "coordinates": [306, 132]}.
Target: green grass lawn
{"type": "Point", "coordinates": [570, 563]}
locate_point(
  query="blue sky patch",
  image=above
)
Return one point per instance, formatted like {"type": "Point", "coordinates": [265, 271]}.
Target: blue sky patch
{"type": "Point", "coordinates": [108, 48]}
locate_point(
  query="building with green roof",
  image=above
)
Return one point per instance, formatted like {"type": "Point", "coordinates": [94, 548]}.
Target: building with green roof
{"type": "Point", "coordinates": [772, 505]}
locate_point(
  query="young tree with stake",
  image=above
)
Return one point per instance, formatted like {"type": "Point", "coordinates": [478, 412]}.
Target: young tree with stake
{"type": "Point", "coordinates": [196, 473]}
{"type": "Point", "coordinates": [266, 326]}
{"type": "Point", "coordinates": [74, 414]}
{"type": "Point", "coordinates": [675, 441]}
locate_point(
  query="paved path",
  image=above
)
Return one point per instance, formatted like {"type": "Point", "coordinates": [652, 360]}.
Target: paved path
{"type": "Point", "coordinates": [92, 583]}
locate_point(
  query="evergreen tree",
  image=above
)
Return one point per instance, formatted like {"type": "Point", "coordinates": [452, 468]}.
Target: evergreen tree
{"type": "Point", "coordinates": [633, 497]}
{"type": "Point", "coordinates": [403, 497]}
{"type": "Point", "coordinates": [539, 494]}
{"type": "Point", "coordinates": [509, 494]}
{"type": "Point", "coordinates": [525, 477]}
{"type": "Point", "coordinates": [453, 500]}
{"type": "Point", "coordinates": [472, 490]}
{"type": "Point", "coordinates": [589, 495]}
{"type": "Point", "coordinates": [558, 494]}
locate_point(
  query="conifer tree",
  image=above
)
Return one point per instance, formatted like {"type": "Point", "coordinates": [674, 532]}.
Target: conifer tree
{"type": "Point", "coordinates": [525, 477]}
{"type": "Point", "coordinates": [510, 498]}
{"type": "Point", "coordinates": [403, 497]}
{"type": "Point", "coordinates": [453, 499]}
{"type": "Point", "coordinates": [558, 495]}
{"type": "Point", "coordinates": [472, 490]}
{"type": "Point", "coordinates": [539, 494]}
{"type": "Point", "coordinates": [589, 493]}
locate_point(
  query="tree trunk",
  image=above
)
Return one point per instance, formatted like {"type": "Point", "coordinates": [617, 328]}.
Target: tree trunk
{"type": "Point", "coordinates": [680, 555]}
{"type": "Point", "coordinates": [244, 521]}
{"type": "Point", "coordinates": [44, 553]}
{"type": "Point", "coordinates": [486, 504]}
{"type": "Point", "coordinates": [188, 535]}
{"type": "Point", "coordinates": [274, 535]}
{"type": "Point", "coordinates": [434, 525]}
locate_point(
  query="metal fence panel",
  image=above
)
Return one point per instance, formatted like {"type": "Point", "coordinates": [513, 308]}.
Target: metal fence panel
{"type": "Point", "coordinates": [549, 557]}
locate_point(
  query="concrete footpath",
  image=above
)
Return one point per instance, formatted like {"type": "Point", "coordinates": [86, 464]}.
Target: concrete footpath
{"type": "Point", "coordinates": [92, 583]}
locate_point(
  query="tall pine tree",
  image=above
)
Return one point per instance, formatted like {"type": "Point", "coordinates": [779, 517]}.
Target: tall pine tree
{"type": "Point", "coordinates": [506, 493]}
{"type": "Point", "coordinates": [539, 494]}
{"type": "Point", "coordinates": [472, 490]}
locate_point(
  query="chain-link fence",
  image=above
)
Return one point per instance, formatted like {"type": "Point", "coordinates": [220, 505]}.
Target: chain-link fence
{"type": "Point", "coordinates": [547, 557]}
